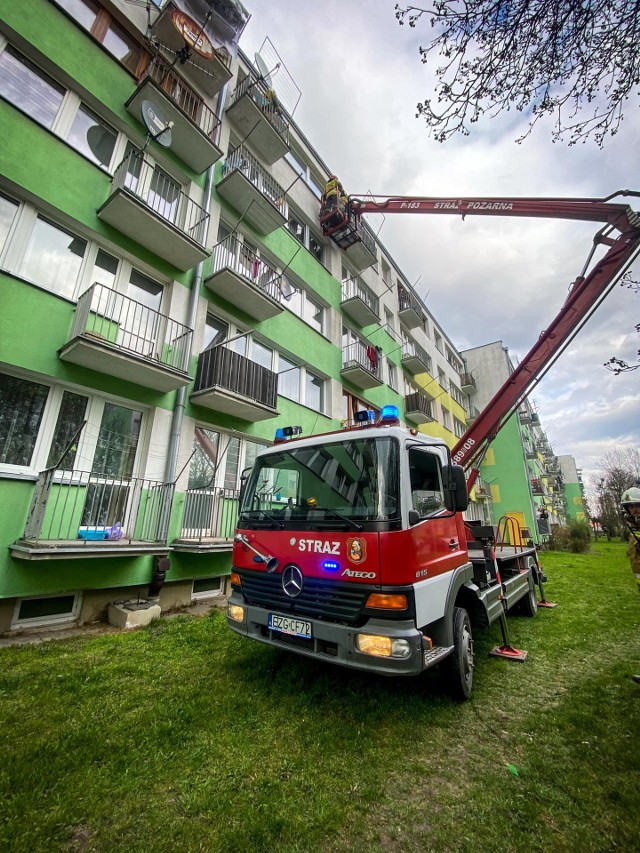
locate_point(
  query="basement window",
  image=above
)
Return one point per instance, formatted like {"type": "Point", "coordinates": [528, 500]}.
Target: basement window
{"type": "Point", "coordinates": [207, 588]}
{"type": "Point", "coordinates": [46, 611]}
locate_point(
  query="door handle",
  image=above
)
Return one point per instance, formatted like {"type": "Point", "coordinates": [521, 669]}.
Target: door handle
{"type": "Point", "coordinates": [454, 544]}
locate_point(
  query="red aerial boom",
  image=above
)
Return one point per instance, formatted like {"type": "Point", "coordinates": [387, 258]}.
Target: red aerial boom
{"type": "Point", "coordinates": [620, 234]}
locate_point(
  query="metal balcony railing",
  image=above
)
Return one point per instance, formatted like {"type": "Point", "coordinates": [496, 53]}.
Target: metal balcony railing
{"type": "Point", "coordinates": [467, 380]}
{"type": "Point", "coordinates": [132, 327]}
{"type": "Point", "coordinates": [256, 88]}
{"type": "Point", "coordinates": [223, 367]}
{"type": "Point", "coordinates": [161, 195]}
{"type": "Point", "coordinates": [191, 104]}
{"type": "Point", "coordinates": [245, 162]}
{"type": "Point", "coordinates": [232, 254]}
{"type": "Point", "coordinates": [417, 402]}
{"type": "Point", "coordinates": [210, 513]}
{"type": "Point", "coordinates": [354, 287]}
{"type": "Point", "coordinates": [360, 354]}
{"type": "Point", "coordinates": [406, 300]}
{"type": "Point", "coordinates": [410, 349]}
{"type": "Point", "coordinates": [79, 506]}
{"type": "Point", "coordinates": [367, 236]}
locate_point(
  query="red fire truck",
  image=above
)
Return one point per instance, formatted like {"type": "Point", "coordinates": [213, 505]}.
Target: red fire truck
{"type": "Point", "coordinates": [351, 546]}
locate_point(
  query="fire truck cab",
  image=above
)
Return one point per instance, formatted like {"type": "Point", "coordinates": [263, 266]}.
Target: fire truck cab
{"type": "Point", "coordinates": [351, 547]}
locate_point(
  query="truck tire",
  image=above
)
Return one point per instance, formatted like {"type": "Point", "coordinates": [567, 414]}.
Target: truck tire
{"type": "Point", "coordinates": [528, 605]}
{"type": "Point", "coordinates": [459, 665]}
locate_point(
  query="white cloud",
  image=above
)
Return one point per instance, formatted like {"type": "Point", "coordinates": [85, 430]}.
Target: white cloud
{"type": "Point", "coordinates": [483, 279]}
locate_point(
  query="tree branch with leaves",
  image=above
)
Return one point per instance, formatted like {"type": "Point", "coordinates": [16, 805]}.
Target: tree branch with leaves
{"type": "Point", "coordinates": [577, 61]}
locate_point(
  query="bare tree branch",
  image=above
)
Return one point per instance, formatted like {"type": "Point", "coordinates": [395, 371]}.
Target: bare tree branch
{"type": "Point", "coordinates": [577, 61]}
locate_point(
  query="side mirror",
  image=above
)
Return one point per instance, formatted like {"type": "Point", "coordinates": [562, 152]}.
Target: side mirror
{"type": "Point", "coordinates": [456, 498]}
{"type": "Point", "coordinates": [414, 517]}
{"type": "Point", "coordinates": [243, 485]}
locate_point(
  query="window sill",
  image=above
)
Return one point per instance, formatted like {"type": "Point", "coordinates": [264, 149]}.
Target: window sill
{"type": "Point", "coordinates": [18, 475]}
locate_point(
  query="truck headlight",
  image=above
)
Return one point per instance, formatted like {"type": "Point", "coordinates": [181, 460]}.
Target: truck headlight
{"type": "Point", "coordinates": [382, 647]}
{"type": "Point", "coordinates": [235, 612]}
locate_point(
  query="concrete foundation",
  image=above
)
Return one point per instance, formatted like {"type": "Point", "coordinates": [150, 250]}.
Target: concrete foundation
{"type": "Point", "coordinates": [133, 614]}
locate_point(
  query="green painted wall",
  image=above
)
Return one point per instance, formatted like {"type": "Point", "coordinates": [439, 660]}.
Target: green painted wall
{"type": "Point", "coordinates": [574, 501]}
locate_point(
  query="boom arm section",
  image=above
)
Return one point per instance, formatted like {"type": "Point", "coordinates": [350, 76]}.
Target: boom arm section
{"type": "Point", "coordinates": [342, 224]}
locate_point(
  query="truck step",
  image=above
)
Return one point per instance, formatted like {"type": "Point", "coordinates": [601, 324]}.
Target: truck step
{"type": "Point", "coordinates": [435, 654]}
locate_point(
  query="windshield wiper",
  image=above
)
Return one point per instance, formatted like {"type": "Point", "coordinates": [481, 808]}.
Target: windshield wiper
{"type": "Point", "coordinates": [248, 515]}
{"type": "Point", "coordinates": [333, 513]}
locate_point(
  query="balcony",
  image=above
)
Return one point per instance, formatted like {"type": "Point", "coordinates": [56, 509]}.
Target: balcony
{"type": "Point", "coordinates": [409, 309]}
{"type": "Point", "coordinates": [85, 514]}
{"type": "Point", "coordinates": [360, 302]}
{"type": "Point", "coordinates": [472, 415]}
{"type": "Point", "coordinates": [245, 280]}
{"type": "Point", "coordinates": [537, 487]}
{"type": "Point", "coordinates": [248, 187]}
{"type": "Point", "coordinates": [524, 416]}
{"type": "Point", "coordinates": [195, 126]}
{"type": "Point", "coordinates": [418, 408]}
{"type": "Point", "coordinates": [208, 72]}
{"type": "Point", "coordinates": [208, 520]}
{"type": "Point", "coordinates": [361, 365]}
{"type": "Point", "coordinates": [414, 358]}
{"type": "Point", "coordinates": [258, 118]}
{"type": "Point", "coordinates": [482, 491]}
{"type": "Point", "coordinates": [467, 384]}
{"type": "Point", "coordinates": [228, 382]}
{"type": "Point", "coordinates": [151, 208]}
{"type": "Point", "coordinates": [362, 252]}
{"type": "Point", "coordinates": [120, 337]}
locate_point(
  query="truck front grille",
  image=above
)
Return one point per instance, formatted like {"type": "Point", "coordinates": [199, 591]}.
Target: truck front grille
{"type": "Point", "coordinates": [319, 598]}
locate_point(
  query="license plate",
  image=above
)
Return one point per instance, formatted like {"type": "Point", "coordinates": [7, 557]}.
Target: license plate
{"type": "Point", "coordinates": [289, 625]}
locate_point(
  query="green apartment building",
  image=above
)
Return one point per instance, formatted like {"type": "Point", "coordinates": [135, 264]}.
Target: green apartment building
{"type": "Point", "coordinates": [520, 473]}
{"type": "Point", "coordinates": [168, 301]}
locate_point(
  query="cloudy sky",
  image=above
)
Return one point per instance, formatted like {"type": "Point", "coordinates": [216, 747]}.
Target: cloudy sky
{"type": "Point", "coordinates": [484, 279]}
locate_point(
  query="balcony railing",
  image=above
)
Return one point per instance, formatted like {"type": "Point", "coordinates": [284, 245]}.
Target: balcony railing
{"type": "Point", "coordinates": [161, 195]}
{"type": "Point", "coordinates": [132, 327]}
{"type": "Point", "coordinates": [260, 93]}
{"type": "Point", "coordinates": [364, 356]}
{"type": "Point", "coordinates": [411, 350]}
{"type": "Point", "coordinates": [242, 160]}
{"type": "Point", "coordinates": [232, 254]}
{"type": "Point", "coordinates": [98, 510]}
{"type": "Point", "coordinates": [355, 288]}
{"type": "Point", "coordinates": [417, 403]}
{"type": "Point", "coordinates": [209, 514]}
{"type": "Point", "coordinates": [191, 104]}
{"type": "Point", "coordinates": [406, 301]}
{"type": "Point", "coordinates": [468, 383]}
{"type": "Point", "coordinates": [224, 368]}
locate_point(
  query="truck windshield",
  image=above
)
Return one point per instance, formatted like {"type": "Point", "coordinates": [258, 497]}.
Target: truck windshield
{"type": "Point", "coordinates": [341, 481]}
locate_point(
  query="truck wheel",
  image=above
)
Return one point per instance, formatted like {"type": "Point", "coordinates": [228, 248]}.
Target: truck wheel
{"type": "Point", "coordinates": [460, 663]}
{"type": "Point", "coordinates": [528, 605]}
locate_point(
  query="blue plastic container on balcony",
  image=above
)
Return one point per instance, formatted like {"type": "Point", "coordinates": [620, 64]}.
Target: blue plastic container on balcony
{"type": "Point", "coordinates": [94, 533]}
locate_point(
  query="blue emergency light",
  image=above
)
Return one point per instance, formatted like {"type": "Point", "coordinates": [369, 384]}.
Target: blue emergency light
{"type": "Point", "coordinates": [331, 566]}
{"type": "Point", "coordinates": [390, 415]}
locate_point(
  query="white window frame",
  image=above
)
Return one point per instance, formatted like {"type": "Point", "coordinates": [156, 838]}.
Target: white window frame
{"type": "Point", "coordinates": [89, 435]}
{"type": "Point", "coordinates": [59, 619]}
{"type": "Point", "coordinates": [212, 593]}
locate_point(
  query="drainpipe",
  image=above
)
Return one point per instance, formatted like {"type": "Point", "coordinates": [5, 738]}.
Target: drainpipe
{"type": "Point", "coordinates": [181, 394]}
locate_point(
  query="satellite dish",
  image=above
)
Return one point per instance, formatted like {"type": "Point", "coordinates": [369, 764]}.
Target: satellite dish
{"type": "Point", "coordinates": [263, 71]}
{"type": "Point", "coordinates": [156, 123]}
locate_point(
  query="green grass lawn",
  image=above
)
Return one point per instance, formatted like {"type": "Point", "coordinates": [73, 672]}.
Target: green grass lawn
{"type": "Point", "coordinates": [185, 737]}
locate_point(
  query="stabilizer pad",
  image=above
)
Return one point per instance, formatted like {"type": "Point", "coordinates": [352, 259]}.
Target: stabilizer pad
{"type": "Point", "coordinates": [509, 653]}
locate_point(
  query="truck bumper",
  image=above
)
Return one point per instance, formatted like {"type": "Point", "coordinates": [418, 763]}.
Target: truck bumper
{"type": "Point", "coordinates": [337, 643]}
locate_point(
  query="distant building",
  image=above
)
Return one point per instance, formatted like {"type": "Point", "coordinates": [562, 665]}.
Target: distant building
{"type": "Point", "coordinates": [573, 488]}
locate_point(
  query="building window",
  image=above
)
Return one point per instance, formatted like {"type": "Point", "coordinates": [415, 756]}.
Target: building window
{"type": "Point", "coordinates": [313, 313]}
{"type": "Point", "coordinates": [8, 210]}
{"type": "Point", "coordinates": [297, 228]}
{"type": "Point", "coordinates": [352, 404]}
{"type": "Point", "coordinates": [53, 258]}
{"type": "Point", "coordinates": [446, 418]}
{"type": "Point", "coordinates": [316, 248]}
{"type": "Point", "coordinates": [29, 89]}
{"type": "Point", "coordinates": [105, 30]}
{"type": "Point", "coordinates": [215, 332]}
{"type": "Point", "coordinates": [438, 340]}
{"type": "Point", "coordinates": [303, 233]}
{"type": "Point", "coordinates": [71, 416]}
{"type": "Point", "coordinates": [21, 409]}
{"type": "Point", "coordinates": [46, 611]}
{"type": "Point", "coordinates": [314, 392]}
{"type": "Point", "coordinates": [288, 379]}
{"type": "Point", "coordinates": [207, 588]}
{"type": "Point", "coordinates": [92, 137]}
{"type": "Point", "coordinates": [459, 428]}
{"type": "Point", "coordinates": [393, 376]}
{"type": "Point", "coordinates": [442, 379]}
